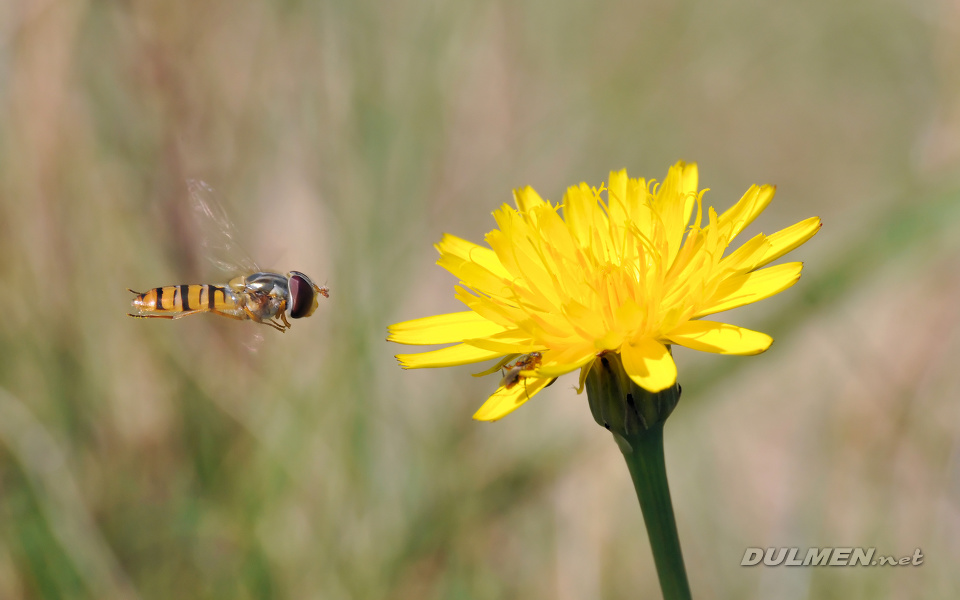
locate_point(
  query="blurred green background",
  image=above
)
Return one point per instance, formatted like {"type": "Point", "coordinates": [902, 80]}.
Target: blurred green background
{"type": "Point", "coordinates": [156, 459]}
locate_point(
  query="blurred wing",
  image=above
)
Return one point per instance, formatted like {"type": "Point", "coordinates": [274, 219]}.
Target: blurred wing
{"type": "Point", "coordinates": [217, 232]}
{"type": "Point", "coordinates": [252, 342]}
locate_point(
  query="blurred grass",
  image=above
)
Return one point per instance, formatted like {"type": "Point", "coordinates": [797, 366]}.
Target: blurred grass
{"type": "Point", "coordinates": [146, 460]}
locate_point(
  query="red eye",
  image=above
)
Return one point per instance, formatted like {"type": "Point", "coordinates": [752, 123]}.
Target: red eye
{"type": "Point", "coordinates": [303, 299]}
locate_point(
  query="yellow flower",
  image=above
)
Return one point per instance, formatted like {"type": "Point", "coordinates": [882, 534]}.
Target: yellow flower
{"type": "Point", "coordinates": [615, 275]}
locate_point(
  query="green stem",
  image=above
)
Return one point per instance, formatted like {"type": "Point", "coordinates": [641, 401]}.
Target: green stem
{"type": "Point", "coordinates": [635, 417]}
{"type": "Point", "coordinates": [644, 456]}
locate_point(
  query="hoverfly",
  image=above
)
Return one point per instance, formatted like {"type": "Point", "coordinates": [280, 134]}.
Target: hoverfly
{"type": "Point", "coordinates": [258, 295]}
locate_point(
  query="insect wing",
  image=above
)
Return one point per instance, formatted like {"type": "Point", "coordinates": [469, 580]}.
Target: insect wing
{"type": "Point", "coordinates": [217, 232]}
{"type": "Point", "coordinates": [219, 240]}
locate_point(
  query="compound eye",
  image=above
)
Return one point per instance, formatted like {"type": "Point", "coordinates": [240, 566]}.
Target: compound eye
{"type": "Point", "coordinates": [303, 298]}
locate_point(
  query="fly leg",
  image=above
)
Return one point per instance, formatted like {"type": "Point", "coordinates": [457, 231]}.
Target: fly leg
{"type": "Point", "coordinates": [283, 317]}
{"type": "Point", "coordinates": [273, 324]}
{"type": "Point", "coordinates": [256, 319]}
{"type": "Point", "coordinates": [282, 313]}
{"type": "Point", "coordinates": [261, 305]}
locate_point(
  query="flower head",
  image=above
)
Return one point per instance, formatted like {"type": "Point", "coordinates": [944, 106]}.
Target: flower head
{"type": "Point", "coordinates": [631, 273]}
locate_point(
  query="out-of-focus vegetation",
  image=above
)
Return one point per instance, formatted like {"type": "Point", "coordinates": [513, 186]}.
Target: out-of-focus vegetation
{"type": "Point", "coordinates": [157, 459]}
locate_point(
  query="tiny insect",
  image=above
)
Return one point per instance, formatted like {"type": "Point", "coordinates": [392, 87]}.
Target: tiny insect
{"type": "Point", "coordinates": [257, 295]}
{"type": "Point", "coordinates": [526, 362]}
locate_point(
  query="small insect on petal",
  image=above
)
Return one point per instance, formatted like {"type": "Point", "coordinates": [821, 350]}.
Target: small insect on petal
{"type": "Point", "coordinates": [527, 362]}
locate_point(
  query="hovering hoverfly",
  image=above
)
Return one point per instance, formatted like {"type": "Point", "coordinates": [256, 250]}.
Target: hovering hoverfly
{"type": "Point", "coordinates": [258, 295]}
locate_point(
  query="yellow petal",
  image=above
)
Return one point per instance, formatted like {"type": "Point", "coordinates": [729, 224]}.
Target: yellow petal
{"type": "Point", "coordinates": [751, 287]}
{"type": "Point", "coordinates": [649, 364]}
{"type": "Point", "coordinates": [628, 316]}
{"type": "Point", "coordinates": [611, 340]}
{"type": "Point", "coordinates": [584, 371]}
{"type": "Point", "coordinates": [741, 214]}
{"type": "Point", "coordinates": [582, 214]}
{"type": "Point", "coordinates": [492, 309]}
{"type": "Point", "coordinates": [513, 341]}
{"type": "Point", "coordinates": [461, 354]}
{"type": "Point", "coordinates": [535, 276]}
{"type": "Point", "coordinates": [561, 363]}
{"type": "Point", "coordinates": [468, 251]}
{"type": "Point", "coordinates": [691, 179]}
{"type": "Point", "coordinates": [474, 274]}
{"type": "Point", "coordinates": [504, 401]}
{"type": "Point", "coordinates": [442, 329]}
{"type": "Point", "coordinates": [788, 239]}
{"type": "Point", "coordinates": [747, 257]}
{"type": "Point", "coordinates": [675, 202]}
{"type": "Point", "coordinates": [585, 321]}
{"type": "Point", "coordinates": [527, 199]}
{"type": "Point", "coordinates": [556, 234]}
{"type": "Point", "coordinates": [617, 203]}
{"type": "Point", "coordinates": [548, 324]}
{"type": "Point", "coordinates": [497, 365]}
{"type": "Point", "coordinates": [722, 338]}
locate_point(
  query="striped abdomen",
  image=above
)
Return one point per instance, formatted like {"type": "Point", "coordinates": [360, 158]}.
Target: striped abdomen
{"type": "Point", "coordinates": [179, 300]}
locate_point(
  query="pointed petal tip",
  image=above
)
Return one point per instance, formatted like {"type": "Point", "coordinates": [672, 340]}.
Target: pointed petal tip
{"type": "Point", "coordinates": [504, 401]}
{"type": "Point", "coordinates": [719, 338]}
{"type": "Point", "coordinates": [494, 408]}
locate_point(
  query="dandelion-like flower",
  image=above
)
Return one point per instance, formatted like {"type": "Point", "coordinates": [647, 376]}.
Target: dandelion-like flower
{"type": "Point", "coordinates": [630, 274]}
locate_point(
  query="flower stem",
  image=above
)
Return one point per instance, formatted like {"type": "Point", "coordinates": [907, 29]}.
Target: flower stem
{"type": "Point", "coordinates": [644, 456]}
{"type": "Point", "coordinates": [635, 417]}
